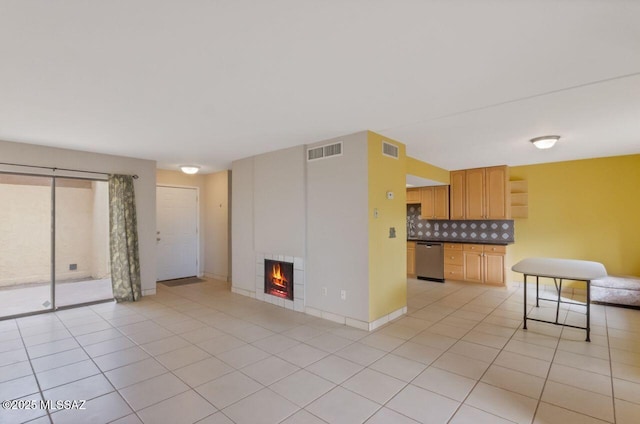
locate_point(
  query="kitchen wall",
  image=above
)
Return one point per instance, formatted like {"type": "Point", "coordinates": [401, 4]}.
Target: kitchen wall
{"type": "Point", "coordinates": [145, 193]}
{"type": "Point", "coordinates": [387, 255]}
{"type": "Point", "coordinates": [426, 170]}
{"type": "Point", "coordinates": [585, 209]}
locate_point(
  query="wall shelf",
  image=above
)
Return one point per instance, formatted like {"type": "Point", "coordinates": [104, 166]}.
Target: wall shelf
{"type": "Point", "coordinates": [519, 199]}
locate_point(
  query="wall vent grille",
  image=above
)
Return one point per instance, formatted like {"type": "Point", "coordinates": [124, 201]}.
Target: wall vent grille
{"type": "Point", "coordinates": [390, 150]}
{"type": "Point", "coordinates": [315, 153]}
{"type": "Point", "coordinates": [333, 150]}
{"type": "Point", "coordinates": [323, 152]}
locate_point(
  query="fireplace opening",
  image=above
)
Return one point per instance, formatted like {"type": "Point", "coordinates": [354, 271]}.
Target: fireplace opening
{"type": "Point", "coordinates": [278, 278]}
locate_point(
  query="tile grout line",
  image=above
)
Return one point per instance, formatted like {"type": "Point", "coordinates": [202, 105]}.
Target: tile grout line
{"type": "Point", "coordinates": [35, 377]}
{"type": "Point", "coordinates": [99, 369]}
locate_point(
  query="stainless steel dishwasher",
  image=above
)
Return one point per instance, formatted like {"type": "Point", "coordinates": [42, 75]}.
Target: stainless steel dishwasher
{"type": "Point", "coordinates": [430, 261]}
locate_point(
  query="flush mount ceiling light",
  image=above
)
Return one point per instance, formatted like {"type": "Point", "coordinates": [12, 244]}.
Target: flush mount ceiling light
{"type": "Point", "coordinates": [190, 169]}
{"type": "Point", "coordinates": [545, 142]}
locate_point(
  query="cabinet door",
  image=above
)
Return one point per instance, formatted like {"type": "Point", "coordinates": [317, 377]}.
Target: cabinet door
{"type": "Point", "coordinates": [496, 192]}
{"type": "Point", "coordinates": [441, 202]}
{"type": "Point", "coordinates": [413, 195]}
{"type": "Point", "coordinates": [494, 268]}
{"type": "Point", "coordinates": [473, 267]}
{"type": "Point", "coordinates": [474, 194]}
{"type": "Point", "coordinates": [457, 194]}
{"type": "Point", "coordinates": [411, 260]}
{"type": "Point", "coordinates": [427, 203]}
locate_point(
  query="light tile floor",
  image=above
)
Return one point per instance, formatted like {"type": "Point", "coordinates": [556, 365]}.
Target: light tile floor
{"type": "Point", "coordinates": [199, 353]}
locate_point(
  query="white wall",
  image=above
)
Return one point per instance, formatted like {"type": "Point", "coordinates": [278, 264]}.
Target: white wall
{"type": "Point", "coordinates": [29, 154]}
{"type": "Point", "coordinates": [317, 210]}
{"type": "Point", "coordinates": [338, 231]}
{"type": "Point", "coordinates": [279, 202]}
{"type": "Point", "coordinates": [216, 229]}
{"type": "Point", "coordinates": [243, 259]}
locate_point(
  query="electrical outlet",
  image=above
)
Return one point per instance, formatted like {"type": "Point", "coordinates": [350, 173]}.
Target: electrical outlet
{"type": "Point", "coordinates": [343, 294]}
{"type": "Point", "coordinates": [324, 291]}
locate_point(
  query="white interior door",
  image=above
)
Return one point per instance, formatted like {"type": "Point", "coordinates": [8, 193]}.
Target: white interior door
{"type": "Point", "coordinates": [177, 232]}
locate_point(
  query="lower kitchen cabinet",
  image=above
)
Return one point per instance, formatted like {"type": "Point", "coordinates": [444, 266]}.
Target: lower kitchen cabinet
{"type": "Point", "coordinates": [453, 261]}
{"type": "Point", "coordinates": [411, 258]}
{"type": "Point", "coordinates": [475, 263]}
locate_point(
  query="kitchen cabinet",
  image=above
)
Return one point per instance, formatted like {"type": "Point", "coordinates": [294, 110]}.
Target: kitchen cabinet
{"type": "Point", "coordinates": [411, 258]}
{"type": "Point", "coordinates": [453, 262]}
{"type": "Point", "coordinates": [457, 194]}
{"type": "Point", "coordinates": [413, 195]}
{"type": "Point", "coordinates": [484, 263]}
{"type": "Point", "coordinates": [434, 202]}
{"type": "Point", "coordinates": [480, 193]}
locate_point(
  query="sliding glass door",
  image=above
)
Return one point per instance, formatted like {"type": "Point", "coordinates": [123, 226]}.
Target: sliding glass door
{"type": "Point", "coordinates": [54, 243]}
{"type": "Point", "coordinates": [82, 272]}
{"type": "Point", "coordinates": [25, 244]}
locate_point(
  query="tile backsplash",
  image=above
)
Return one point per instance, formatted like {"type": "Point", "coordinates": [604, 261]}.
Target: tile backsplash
{"type": "Point", "coordinates": [475, 231]}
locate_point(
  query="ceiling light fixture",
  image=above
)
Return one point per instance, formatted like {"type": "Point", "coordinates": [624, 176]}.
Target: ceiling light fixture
{"type": "Point", "coordinates": [545, 142]}
{"type": "Point", "coordinates": [190, 169]}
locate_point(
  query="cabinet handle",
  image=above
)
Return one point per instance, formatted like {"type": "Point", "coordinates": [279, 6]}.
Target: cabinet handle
{"type": "Point", "coordinates": [453, 257]}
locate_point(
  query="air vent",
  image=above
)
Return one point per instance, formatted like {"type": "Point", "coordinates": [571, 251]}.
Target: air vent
{"type": "Point", "coordinates": [333, 150]}
{"type": "Point", "coordinates": [390, 150]}
{"type": "Point", "coordinates": [323, 152]}
{"type": "Point", "coordinates": [315, 153]}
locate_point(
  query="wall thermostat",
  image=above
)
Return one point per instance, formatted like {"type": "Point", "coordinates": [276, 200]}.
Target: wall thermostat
{"type": "Point", "coordinates": [390, 195]}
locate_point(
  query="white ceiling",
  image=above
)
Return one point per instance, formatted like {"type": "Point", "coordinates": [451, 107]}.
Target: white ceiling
{"type": "Point", "coordinates": [462, 83]}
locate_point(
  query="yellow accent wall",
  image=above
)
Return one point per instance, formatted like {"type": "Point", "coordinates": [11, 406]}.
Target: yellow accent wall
{"type": "Point", "coordinates": [585, 209]}
{"type": "Point", "coordinates": [387, 256]}
{"type": "Point", "coordinates": [425, 170]}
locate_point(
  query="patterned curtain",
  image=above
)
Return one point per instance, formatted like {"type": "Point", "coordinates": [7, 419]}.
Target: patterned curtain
{"type": "Point", "coordinates": [123, 240]}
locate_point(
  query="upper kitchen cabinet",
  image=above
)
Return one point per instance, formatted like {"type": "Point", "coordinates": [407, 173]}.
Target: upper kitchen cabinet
{"type": "Point", "coordinates": [413, 195]}
{"type": "Point", "coordinates": [434, 202]}
{"type": "Point", "coordinates": [481, 193]}
{"type": "Point", "coordinates": [457, 194]}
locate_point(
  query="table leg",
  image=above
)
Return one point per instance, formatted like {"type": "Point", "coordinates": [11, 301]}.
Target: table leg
{"type": "Point", "coordinates": [588, 310]}
{"type": "Point", "coordinates": [559, 288]}
{"type": "Point", "coordinates": [525, 302]}
{"type": "Point", "coordinates": [537, 291]}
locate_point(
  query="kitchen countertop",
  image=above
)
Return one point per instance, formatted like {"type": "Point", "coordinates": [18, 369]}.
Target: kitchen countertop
{"type": "Point", "coordinates": [497, 243]}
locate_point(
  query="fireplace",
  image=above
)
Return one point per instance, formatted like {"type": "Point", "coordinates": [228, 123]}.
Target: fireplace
{"type": "Point", "coordinates": [278, 278]}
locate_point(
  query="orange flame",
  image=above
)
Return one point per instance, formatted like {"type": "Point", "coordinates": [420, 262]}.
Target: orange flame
{"type": "Point", "coordinates": [277, 277]}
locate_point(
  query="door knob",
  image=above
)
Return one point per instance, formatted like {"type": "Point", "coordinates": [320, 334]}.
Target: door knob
{"type": "Point", "coordinates": [158, 239]}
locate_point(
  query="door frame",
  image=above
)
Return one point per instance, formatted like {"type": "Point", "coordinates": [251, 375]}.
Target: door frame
{"type": "Point", "coordinates": [198, 229]}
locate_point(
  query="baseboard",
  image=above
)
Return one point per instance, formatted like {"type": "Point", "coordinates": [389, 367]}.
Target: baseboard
{"type": "Point", "coordinates": [149, 292]}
